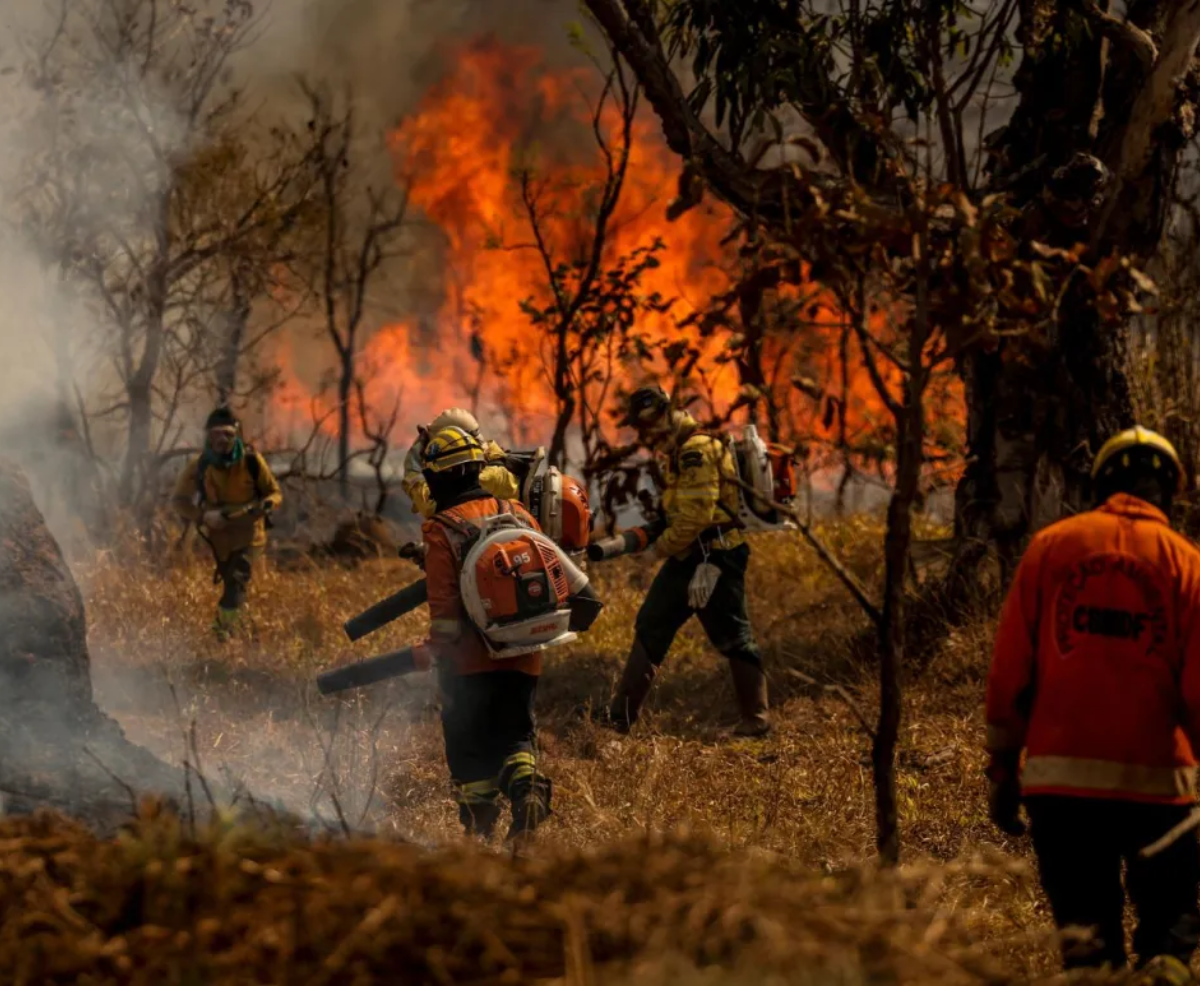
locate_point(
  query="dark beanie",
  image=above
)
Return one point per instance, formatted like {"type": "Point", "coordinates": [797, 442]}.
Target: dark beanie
{"type": "Point", "coordinates": [222, 417]}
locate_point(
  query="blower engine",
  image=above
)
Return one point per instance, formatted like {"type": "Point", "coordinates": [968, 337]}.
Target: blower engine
{"type": "Point", "coordinates": [516, 584]}
{"type": "Point", "coordinates": [770, 473]}
{"type": "Point", "coordinates": [559, 503]}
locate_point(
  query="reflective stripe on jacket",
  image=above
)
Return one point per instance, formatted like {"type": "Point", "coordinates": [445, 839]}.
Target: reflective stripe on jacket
{"type": "Point", "coordinates": [1096, 667]}
{"type": "Point", "coordinates": [495, 478]}
{"type": "Point", "coordinates": [453, 635]}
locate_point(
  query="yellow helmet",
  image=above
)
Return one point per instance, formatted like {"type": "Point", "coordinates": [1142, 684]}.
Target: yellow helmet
{"type": "Point", "coordinates": [1115, 454]}
{"type": "Point", "coordinates": [451, 447]}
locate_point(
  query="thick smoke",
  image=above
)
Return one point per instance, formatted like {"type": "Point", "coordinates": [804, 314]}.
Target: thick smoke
{"type": "Point", "coordinates": [56, 338]}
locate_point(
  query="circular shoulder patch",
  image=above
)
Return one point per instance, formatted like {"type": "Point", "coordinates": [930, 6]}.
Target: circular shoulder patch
{"type": "Point", "coordinates": [1112, 599]}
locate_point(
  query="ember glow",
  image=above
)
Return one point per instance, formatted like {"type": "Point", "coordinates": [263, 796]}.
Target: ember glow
{"type": "Point", "coordinates": [498, 111]}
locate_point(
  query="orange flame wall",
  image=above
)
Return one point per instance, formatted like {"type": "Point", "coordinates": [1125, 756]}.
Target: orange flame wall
{"type": "Point", "coordinates": [459, 151]}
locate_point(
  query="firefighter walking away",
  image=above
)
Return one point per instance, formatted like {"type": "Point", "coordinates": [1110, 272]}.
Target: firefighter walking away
{"type": "Point", "coordinates": [500, 592]}
{"type": "Point", "coordinates": [705, 557]}
{"type": "Point", "coordinates": [229, 492]}
{"type": "Point", "coordinates": [1095, 676]}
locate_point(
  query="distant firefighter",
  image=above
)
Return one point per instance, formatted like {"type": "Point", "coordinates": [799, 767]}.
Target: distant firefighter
{"type": "Point", "coordinates": [500, 592]}
{"type": "Point", "coordinates": [705, 557]}
{"type": "Point", "coordinates": [1096, 677]}
{"type": "Point", "coordinates": [495, 478]}
{"type": "Point", "coordinates": [229, 492]}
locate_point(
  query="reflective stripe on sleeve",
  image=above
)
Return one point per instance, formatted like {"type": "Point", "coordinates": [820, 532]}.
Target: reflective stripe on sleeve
{"type": "Point", "coordinates": [1105, 775]}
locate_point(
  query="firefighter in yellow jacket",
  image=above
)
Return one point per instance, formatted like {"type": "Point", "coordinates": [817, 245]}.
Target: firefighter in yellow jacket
{"type": "Point", "coordinates": [228, 491]}
{"type": "Point", "coordinates": [700, 506]}
{"type": "Point", "coordinates": [495, 478]}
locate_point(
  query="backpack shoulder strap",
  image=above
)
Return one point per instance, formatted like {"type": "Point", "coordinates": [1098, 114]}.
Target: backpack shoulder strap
{"type": "Point", "coordinates": [461, 532]}
{"type": "Point", "coordinates": [201, 472]}
{"type": "Point", "coordinates": [254, 467]}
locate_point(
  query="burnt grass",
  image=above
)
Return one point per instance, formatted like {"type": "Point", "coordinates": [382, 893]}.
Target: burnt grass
{"type": "Point", "coordinates": [675, 852]}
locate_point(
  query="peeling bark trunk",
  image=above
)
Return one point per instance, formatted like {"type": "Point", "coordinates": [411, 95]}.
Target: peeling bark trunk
{"type": "Point", "coordinates": [1030, 457]}
{"type": "Point", "coordinates": [236, 320]}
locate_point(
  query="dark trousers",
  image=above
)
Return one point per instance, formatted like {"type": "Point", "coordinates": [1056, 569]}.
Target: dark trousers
{"type": "Point", "coordinates": [486, 719]}
{"type": "Point", "coordinates": [235, 573]}
{"type": "Point", "coordinates": [725, 619]}
{"type": "Point", "coordinates": [1080, 845]}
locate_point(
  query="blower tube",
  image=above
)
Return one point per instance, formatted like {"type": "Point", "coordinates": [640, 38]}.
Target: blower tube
{"type": "Point", "coordinates": [372, 670]}
{"type": "Point", "coordinates": [387, 610]}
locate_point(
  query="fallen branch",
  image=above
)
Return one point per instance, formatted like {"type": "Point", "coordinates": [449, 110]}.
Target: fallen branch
{"type": "Point", "coordinates": [840, 692]}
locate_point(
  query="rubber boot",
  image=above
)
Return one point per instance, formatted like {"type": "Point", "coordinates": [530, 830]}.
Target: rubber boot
{"type": "Point", "coordinates": [226, 623]}
{"type": "Point", "coordinates": [750, 686]}
{"type": "Point", "coordinates": [636, 680]}
{"type": "Point", "coordinates": [530, 808]}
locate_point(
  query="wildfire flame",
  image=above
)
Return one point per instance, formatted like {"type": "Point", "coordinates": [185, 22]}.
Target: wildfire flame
{"type": "Point", "coordinates": [459, 152]}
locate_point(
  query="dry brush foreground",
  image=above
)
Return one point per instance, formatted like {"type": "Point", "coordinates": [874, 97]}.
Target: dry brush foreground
{"type": "Point", "coordinates": [763, 869]}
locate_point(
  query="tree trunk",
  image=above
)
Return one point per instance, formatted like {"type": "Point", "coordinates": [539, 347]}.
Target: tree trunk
{"type": "Point", "coordinates": [897, 548]}
{"type": "Point", "coordinates": [141, 423]}
{"type": "Point", "coordinates": [345, 385]}
{"type": "Point", "coordinates": [557, 455]}
{"type": "Point", "coordinates": [1037, 414]}
{"type": "Point", "coordinates": [236, 320]}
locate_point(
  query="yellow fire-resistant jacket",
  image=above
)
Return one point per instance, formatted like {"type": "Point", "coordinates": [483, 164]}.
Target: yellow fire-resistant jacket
{"type": "Point", "coordinates": [701, 491]}
{"type": "Point", "coordinates": [228, 489]}
{"type": "Point", "coordinates": [496, 479]}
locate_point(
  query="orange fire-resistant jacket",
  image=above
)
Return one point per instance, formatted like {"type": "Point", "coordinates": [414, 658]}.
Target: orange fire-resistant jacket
{"type": "Point", "coordinates": [453, 636]}
{"type": "Point", "coordinates": [1096, 669]}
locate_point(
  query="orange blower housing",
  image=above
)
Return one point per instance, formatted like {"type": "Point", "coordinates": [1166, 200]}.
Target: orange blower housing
{"type": "Point", "coordinates": [516, 586]}
{"type": "Point", "coordinates": [560, 504]}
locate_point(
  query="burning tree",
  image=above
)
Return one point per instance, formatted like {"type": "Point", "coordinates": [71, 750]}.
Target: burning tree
{"type": "Point", "coordinates": [1090, 163]}
{"type": "Point", "coordinates": [956, 276]}
{"type": "Point", "coordinates": [354, 238]}
{"type": "Point", "coordinates": [578, 328]}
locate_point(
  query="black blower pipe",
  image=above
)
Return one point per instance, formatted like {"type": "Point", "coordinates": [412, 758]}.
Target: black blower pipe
{"type": "Point", "coordinates": [386, 610]}
{"type": "Point", "coordinates": [628, 542]}
{"type": "Point", "coordinates": [368, 672]}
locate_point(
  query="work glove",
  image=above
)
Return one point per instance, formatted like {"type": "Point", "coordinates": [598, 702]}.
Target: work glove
{"type": "Point", "coordinates": [414, 551]}
{"type": "Point", "coordinates": [702, 586]}
{"type": "Point", "coordinates": [412, 461]}
{"type": "Point", "coordinates": [1004, 794]}
{"type": "Point", "coordinates": [214, 520]}
{"type": "Point", "coordinates": [1004, 805]}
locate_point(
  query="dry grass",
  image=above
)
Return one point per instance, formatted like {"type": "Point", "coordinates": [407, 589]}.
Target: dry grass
{"type": "Point", "coordinates": [803, 794]}
{"type": "Point", "coordinates": [235, 906]}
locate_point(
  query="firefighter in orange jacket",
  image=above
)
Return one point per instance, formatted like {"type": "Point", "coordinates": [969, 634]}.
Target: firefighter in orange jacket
{"type": "Point", "coordinates": [1096, 677]}
{"type": "Point", "coordinates": [487, 703]}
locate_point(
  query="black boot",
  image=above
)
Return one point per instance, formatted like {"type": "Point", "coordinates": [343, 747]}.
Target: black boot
{"type": "Point", "coordinates": [479, 820]}
{"type": "Point", "coordinates": [530, 807]}
{"type": "Point", "coordinates": [631, 693]}
{"type": "Point", "coordinates": [750, 685]}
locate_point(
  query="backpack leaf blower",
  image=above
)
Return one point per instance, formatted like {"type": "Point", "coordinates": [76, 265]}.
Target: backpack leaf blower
{"type": "Point", "coordinates": [558, 502]}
